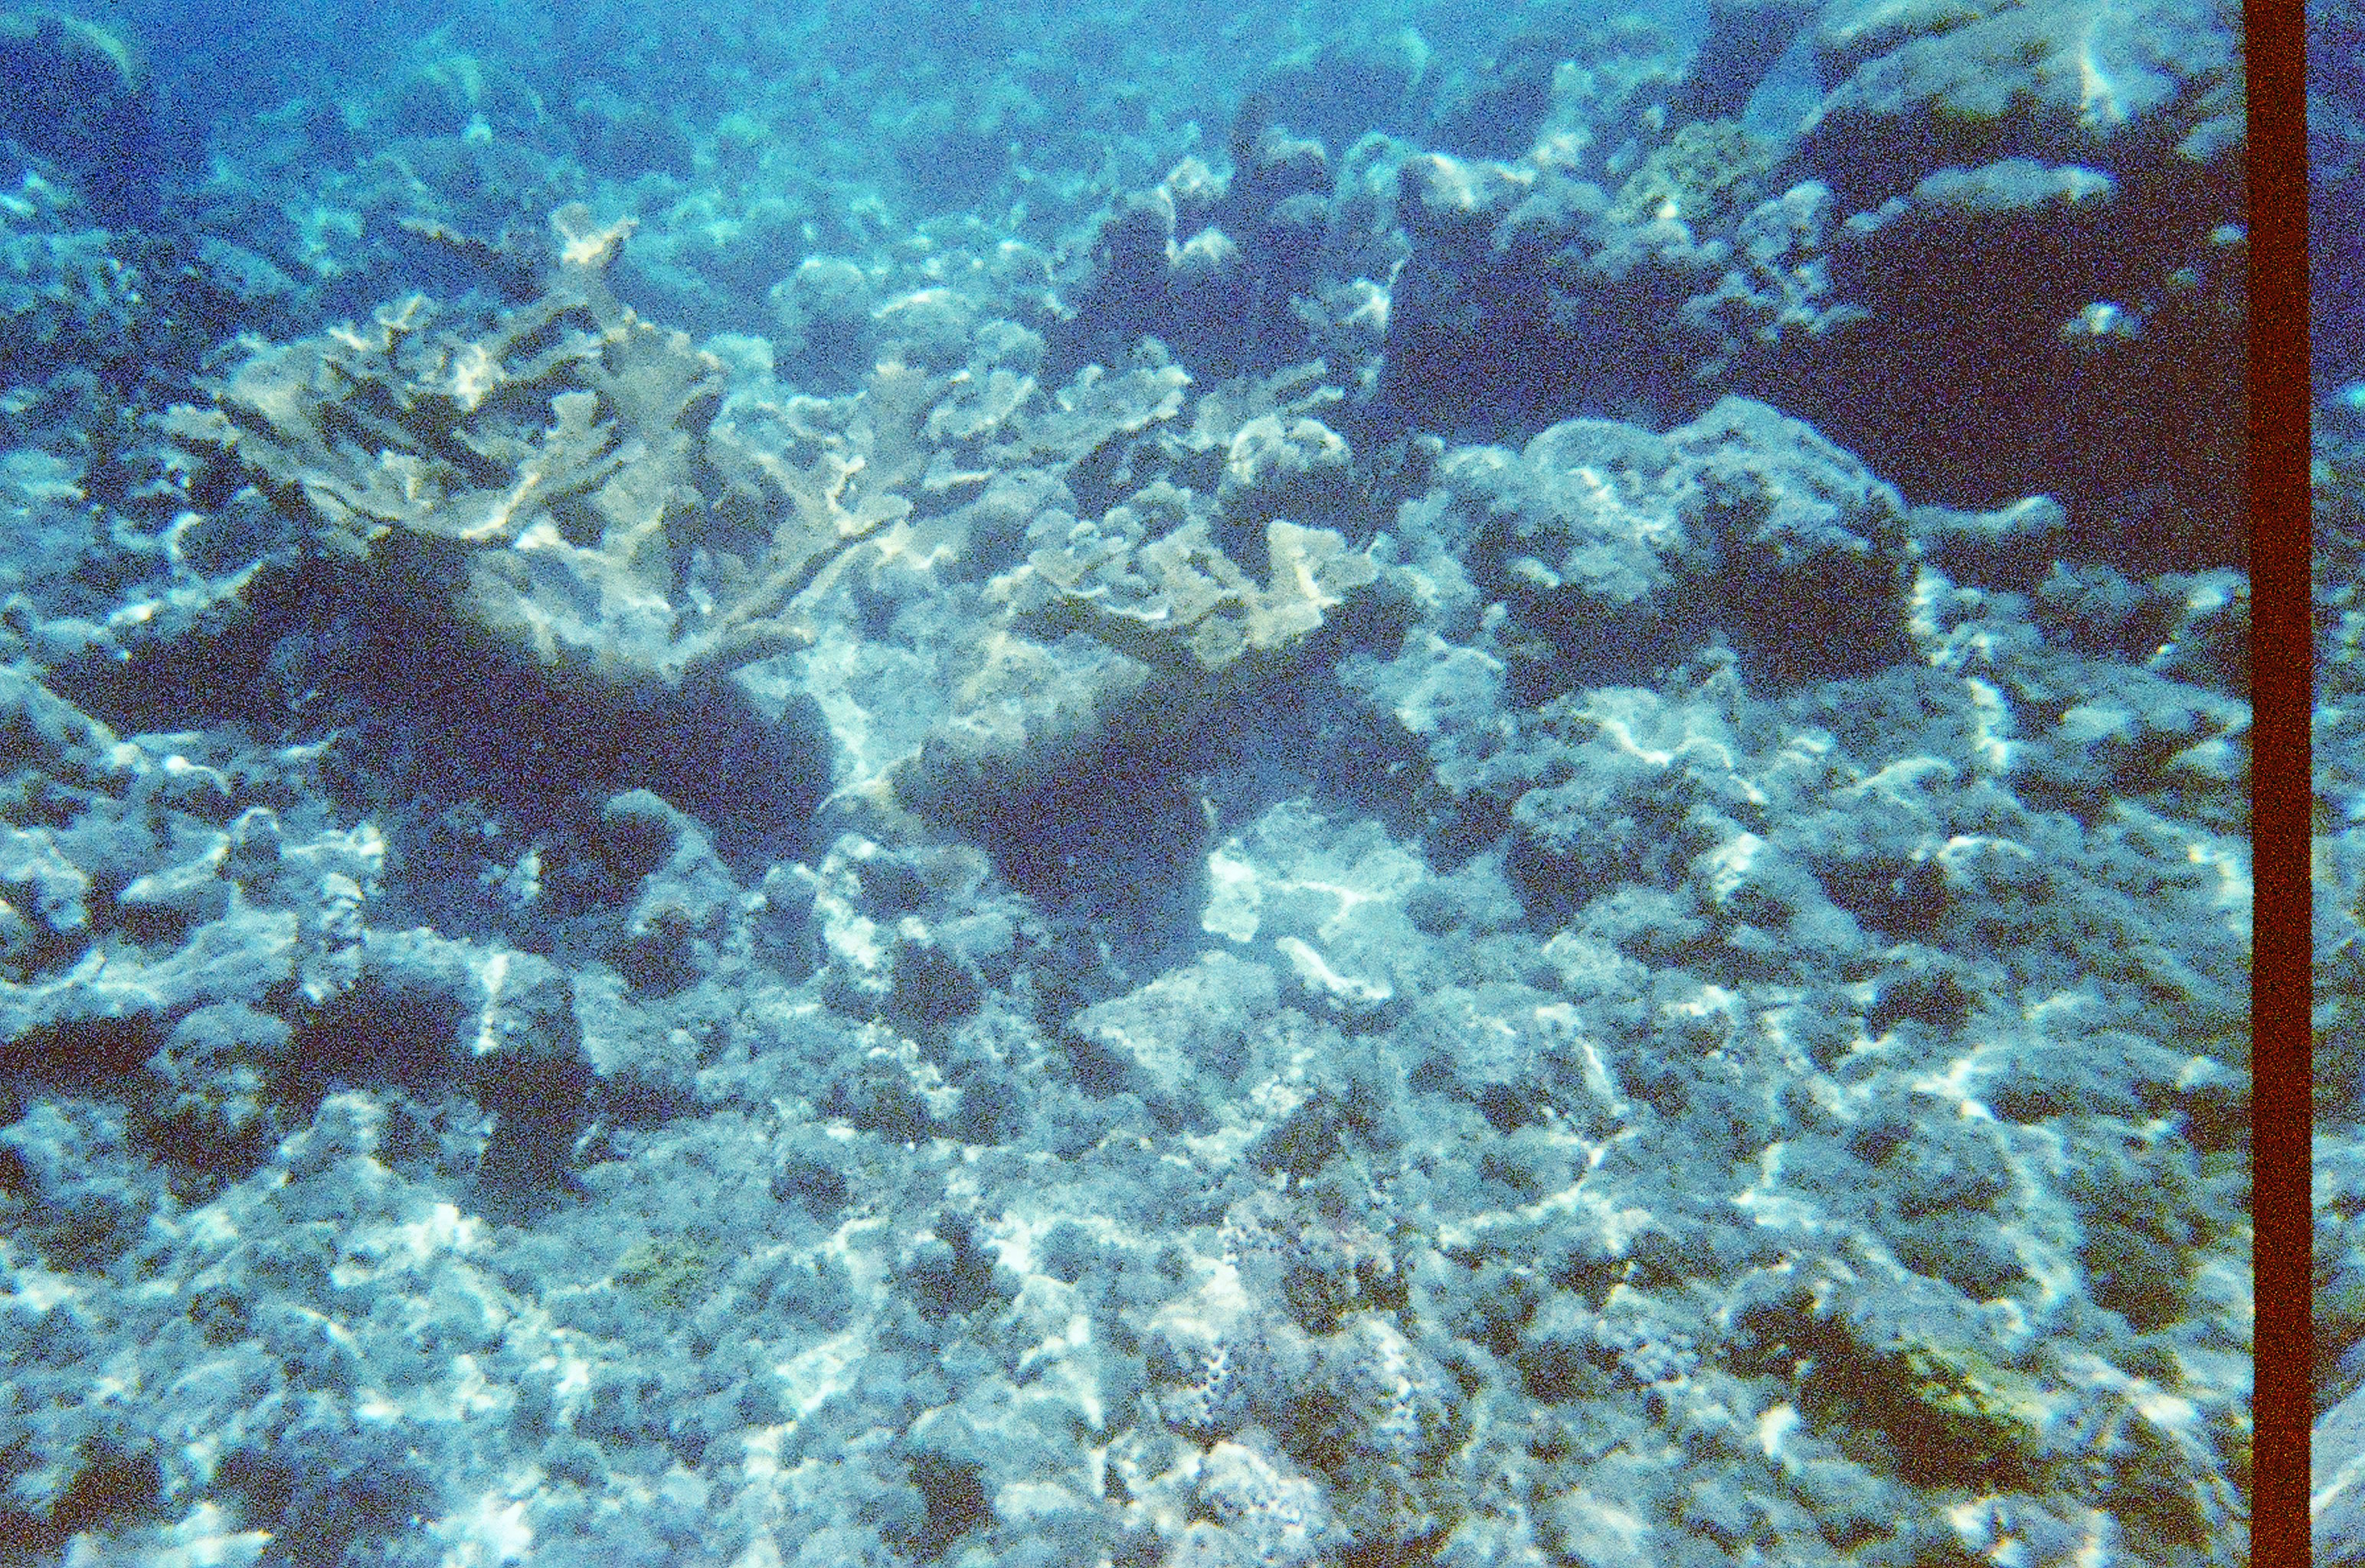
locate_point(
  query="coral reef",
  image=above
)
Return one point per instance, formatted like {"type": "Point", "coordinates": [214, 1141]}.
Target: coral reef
{"type": "Point", "coordinates": [1177, 602]}
{"type": "Point", "coordinates": [1499, 816]}
{"type": "Point", "coordinates": [530, 473]}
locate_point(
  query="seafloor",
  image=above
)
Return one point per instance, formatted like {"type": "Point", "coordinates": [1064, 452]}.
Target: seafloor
{"type": "Point", "coordinates": [1142, 785]}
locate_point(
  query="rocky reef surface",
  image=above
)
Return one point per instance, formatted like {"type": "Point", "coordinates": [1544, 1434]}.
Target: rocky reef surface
{"type": "Point", "coordinates": [881, 813]}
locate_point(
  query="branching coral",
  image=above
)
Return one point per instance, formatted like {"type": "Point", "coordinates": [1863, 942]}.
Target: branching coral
{"type": "Point", "coordinates": [613, 504]}
{"type": "Point", "coordinates": [557, 477]}
{"type": "Point", "coordinates": [1177, 602]}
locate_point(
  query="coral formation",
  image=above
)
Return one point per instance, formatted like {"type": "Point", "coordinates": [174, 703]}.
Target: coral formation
{"type": "Point", "coordinates": [1177, 602]}
{"type": "Point", "coordinates": [538, 474]}
{"type": "Point", "coordinates": [1506, 824]}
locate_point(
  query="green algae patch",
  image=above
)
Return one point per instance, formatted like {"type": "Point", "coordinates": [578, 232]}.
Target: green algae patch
{"type": "Point", "coordinates": [671, 1273]}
